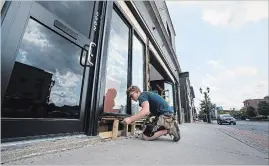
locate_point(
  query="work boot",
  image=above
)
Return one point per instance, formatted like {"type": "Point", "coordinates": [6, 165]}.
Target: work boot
{"type": "Point", "coordinates": [175, 132]}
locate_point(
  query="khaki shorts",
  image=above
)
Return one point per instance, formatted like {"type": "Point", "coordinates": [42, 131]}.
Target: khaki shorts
{"type": "Point", "coordinates": [165, 121]}
{"type": "Point", "coordinates": [160, 123]}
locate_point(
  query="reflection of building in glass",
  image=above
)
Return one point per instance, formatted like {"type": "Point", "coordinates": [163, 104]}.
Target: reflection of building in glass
{"type": "Point", "coordinates": [28, 95]}
{"type": "Point", "coordinates": [27, 85]}
{"type": "Point", "coordinates": [29, 82]}
{"type": "Point", "coordinates": [117, 64]}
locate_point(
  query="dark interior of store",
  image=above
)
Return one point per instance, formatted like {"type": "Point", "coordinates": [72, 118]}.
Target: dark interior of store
{"type": "Point", "coordinates": [158, 76]}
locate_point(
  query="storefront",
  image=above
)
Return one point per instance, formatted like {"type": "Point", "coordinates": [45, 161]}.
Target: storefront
{"type": "Point", "coordinates": [66, 64]}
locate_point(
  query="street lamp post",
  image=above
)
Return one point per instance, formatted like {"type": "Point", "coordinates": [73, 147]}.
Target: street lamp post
{"type": "Point", "coordinates": [207, 103]}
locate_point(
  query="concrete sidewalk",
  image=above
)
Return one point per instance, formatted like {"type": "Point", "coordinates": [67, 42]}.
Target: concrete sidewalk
{"type": "Point", "coordinates": [200, 144]}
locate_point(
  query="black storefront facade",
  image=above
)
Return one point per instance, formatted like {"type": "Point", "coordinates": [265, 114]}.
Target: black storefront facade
{"type": "Point", "coordinates": [66, 64]}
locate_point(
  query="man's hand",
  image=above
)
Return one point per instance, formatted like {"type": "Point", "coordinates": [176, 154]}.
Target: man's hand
{"type": "Point", "coordinates": [144, 112]}
{"type": "Point", "coordinates": [127, 120]}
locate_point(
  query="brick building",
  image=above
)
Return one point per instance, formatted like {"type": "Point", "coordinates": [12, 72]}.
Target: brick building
{"type": "Point", "coordinates": [254, 103]}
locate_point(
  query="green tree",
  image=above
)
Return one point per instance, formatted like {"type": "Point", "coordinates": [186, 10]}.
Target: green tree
{"type": "Point", "coordinates": [263, 108]}
{"type": "Point", "coordinates": [251, 111]}
{"type": "Point", "coordinates": [243, 112]}
{"type": "Point", "coordinates": [204, 106]}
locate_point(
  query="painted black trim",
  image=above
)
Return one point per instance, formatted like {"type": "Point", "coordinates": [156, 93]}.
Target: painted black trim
{"type": "Point", "coordinates": [145, 67]}
{"type": "Point", "coordinates": [130, 73]}
{"type": "Point", "coordinates": [40, 137]}
{"type": "Point", "coordinates": [147, 57]}
{"type": "Point", "coordinates": [101, 81]}
{"type": "Point", "coordinates": [31, 127]}
{"type": "Point", "coordinates": [91, 121]}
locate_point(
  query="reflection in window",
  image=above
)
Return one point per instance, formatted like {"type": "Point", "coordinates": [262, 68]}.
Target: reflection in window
{"type": "Point", "coordinates": [78, 14]}
{"type": "Point", "coordinates": [117, 66]}
{"type": "Point", "coordinates": [137, 69]}
{"type": "Point", "coordinates": [46, 78]}
{"type": "Point", "coordinates": [169, 94]}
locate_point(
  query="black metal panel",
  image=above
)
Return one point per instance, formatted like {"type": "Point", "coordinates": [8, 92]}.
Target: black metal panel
{"type": "Point", "coordinates": [35, 127]}
{"type": "Point", "coordinates": [92, 120]}
{"type": "Point", "coordinates": [11, 30]}
{"type": "Point", "coordinates": [130, 64]}
{"type": "Point", "coordinates": [101, 61]}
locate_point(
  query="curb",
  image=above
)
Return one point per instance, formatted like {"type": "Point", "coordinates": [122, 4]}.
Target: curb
{"type": "Point", "coordinates": [21, 150]}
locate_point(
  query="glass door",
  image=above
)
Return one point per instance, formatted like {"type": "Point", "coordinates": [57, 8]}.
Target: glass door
{"type": "Point", "coordinates": [48, 61]}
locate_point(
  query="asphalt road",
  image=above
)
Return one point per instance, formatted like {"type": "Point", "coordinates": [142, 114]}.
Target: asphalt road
{"type": "Point", "coordinates": [255, 127]}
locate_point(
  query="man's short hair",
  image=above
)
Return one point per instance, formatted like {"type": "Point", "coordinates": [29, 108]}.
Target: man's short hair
{"type": "Point", "coordinates": [132, 88]}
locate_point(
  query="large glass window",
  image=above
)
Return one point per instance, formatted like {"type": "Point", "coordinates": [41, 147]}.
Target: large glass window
{"type": "Point", "coordinates": [46, 80]}
{"type": "Point", "coordinates": [117, 66]}
{"type": "Point", "coordinates": [137, 69]}
{"type": "Point", "coordinates": [169, 94]}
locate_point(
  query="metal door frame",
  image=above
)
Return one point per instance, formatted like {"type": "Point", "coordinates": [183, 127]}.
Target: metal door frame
{"type": "Point", "coordinates": [14, 24]}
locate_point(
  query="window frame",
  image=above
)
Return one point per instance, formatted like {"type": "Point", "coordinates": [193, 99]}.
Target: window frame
{"type": "Point", "coordinates": [173, 93]}
{"type": "Point", "coordinates": [136, 35]}
{"type": "Point", "coordinates": [132, 31]}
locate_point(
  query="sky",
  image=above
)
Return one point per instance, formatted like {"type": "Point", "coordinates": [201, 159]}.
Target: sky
{"type": "Point", "coordinates": [224, 45]}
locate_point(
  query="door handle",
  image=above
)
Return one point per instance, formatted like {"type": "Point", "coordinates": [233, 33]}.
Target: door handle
{"type": "Point", "coordinates": [90, 55]}
{"type": "Point", "coordinates": [81, 55]}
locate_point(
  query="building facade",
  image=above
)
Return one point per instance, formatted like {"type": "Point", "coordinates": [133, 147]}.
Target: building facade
{"type": "Point", "coordinates": [187, 97]}
{"type": "Point", "coordinates": [67, 64]}
{"type": "Point", "coordinates": [254, 103]}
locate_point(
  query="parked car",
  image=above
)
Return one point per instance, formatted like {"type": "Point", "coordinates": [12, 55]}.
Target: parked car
{"type": "Point", "coordinates": [226, 118]}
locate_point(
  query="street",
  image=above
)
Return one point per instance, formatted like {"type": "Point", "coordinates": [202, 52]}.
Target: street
{"type": "Point", "coordinates": [257, 127]}
{"type": "Point", "coordinates": [253, 134]}
{"type": "Point", "coordinates": [201, 143]}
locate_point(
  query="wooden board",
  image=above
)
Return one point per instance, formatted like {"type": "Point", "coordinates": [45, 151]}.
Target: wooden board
{"type": "Point", "coordinates": [125, 131]}
{"type": "Point", "coordinates": [115, 129]}
{"type": "Point", "coordinates": [104, 135]}
{"type": "Point", "coordinates": [133, 128]}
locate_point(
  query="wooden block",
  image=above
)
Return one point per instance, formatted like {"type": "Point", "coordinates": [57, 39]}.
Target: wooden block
{"type": "Point", "coordinates": [104, 135]}
{"type": "Point", "coordinates": [103, 127]}
{"type": "Point", "coordinates": [115, 129]}
{"type": "Point", "coordinates": [125, 132]}
{"type": "Point", "coordinates": [133, 128]}
{"type": "Point", "coordinates": [109, 118]}
{"type": "Point", "coordinates": [120, 133]}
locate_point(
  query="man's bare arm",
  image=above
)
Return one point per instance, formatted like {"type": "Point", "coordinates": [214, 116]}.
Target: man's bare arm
{"type": "Point", "coordinates": [144, 112]}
